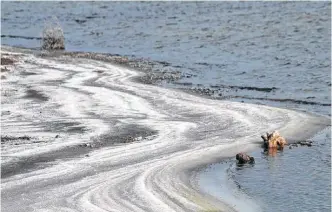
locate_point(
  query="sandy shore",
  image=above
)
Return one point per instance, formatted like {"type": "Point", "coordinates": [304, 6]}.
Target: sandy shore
{"type": "Point", "coordinates": [101, 140]}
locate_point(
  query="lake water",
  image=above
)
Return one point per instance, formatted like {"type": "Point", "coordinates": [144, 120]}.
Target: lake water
{"type": "Point", "coordinates": [274, 53]}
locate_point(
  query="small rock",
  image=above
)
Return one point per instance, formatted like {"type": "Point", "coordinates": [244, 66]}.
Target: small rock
{"type": "Point", "coordinates": [80, 21]}
{"type": "Point", "coordinates": [129, 139]}
{"type": "Point", "coordinates": [57, 136]}
{"type": "Point", "coordinates": [87, 155]}
{"type": "Point", "coordinates": [151, 137]}
{"type": "Point", "coordinates": [290, 147]}
{"type": "Point", "coordinates": [309, 144]}
{"type": "Point", "coordinates": [138, 138]}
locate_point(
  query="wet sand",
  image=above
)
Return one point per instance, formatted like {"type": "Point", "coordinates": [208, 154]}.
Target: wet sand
{"type": "Point", "coordinates": [101, 140]}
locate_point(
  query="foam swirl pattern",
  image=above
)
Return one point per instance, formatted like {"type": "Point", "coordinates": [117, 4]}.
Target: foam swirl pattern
{"type": "Point", "coordinates": [86, 100]}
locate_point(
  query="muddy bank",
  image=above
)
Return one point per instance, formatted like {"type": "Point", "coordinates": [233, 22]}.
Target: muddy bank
{"type": "Point", "coordinates": [6, 61]}
{"type": "Point", "coordinates": [162, 73]}
{"type": "Point", "coordinates": [277, 48]}
{"type": "Point", "coordinates": [95, 128]}
{"type": "Point", "coordinates": [276, 52]}
{"type": "Point", "coordinates": [165, 74]}
{"type": "Point", "coordinates": [155, 72]}
{"type": "Point", "coordinates": [31, 163]}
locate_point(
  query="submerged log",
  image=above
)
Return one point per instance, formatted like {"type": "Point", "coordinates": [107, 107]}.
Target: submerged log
{"type": "Point", "coordinates": [244, 158]}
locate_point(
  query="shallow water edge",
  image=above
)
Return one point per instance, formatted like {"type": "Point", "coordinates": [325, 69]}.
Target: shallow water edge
{"type": "Point", "coordinates": [192, 132]}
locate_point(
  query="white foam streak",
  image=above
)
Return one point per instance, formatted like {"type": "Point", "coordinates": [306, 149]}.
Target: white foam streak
{"type": "Point", "coordinates": [147, 175]}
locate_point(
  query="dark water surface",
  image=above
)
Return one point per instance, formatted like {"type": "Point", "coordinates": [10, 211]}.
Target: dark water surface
{"type": "Point", "coordinates": [297, 179]}
{"type": "Point", "coordinates": [274, 53]}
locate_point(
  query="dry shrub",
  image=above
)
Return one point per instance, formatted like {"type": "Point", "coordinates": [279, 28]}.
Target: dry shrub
{"type": "Point", "coordinates": [52, 37]}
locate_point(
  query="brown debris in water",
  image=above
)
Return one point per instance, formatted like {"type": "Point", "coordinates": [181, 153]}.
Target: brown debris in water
{"type": "Point", "coordinates": [274, 140]}
{"type": "Point", "coordinates": [243, 158]}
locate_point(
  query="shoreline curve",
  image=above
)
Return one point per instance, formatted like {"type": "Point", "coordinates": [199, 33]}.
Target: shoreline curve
{"type": "Point", "coordinates": [149, 174]}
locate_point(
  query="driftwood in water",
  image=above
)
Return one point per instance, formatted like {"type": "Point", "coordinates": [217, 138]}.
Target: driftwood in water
{"type": "Point", "coordinates": [274, 140]}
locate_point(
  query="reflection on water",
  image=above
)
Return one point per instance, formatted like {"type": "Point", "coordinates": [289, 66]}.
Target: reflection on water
{"type": "Point", "coordinates": [249, 52]}
{"type": "Point", "coordinates": [218, 181]}
{"type": "Point", "coordinates": [272, 152]}
{"type": "Point", "coordinates": [296, 179]}
{"type": "Point", "coordinates": [242, 166]}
